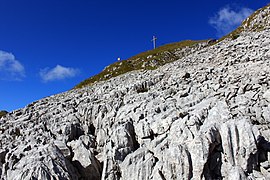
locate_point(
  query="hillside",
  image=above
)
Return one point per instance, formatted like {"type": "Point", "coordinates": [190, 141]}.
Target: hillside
{"type": "Point", "coordinates": [148, 60]}
{"type": "Point", "coordinates": [153, 59]}
{"type": "Point", "coordinates": [198, 112]}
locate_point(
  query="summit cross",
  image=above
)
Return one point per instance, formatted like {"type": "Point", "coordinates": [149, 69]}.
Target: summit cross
{"type": "Point", "coordinates": [154, 41]}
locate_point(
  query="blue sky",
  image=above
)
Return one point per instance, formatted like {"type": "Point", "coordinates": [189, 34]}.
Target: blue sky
{"type": "Point", "coordinates": [48, 46]}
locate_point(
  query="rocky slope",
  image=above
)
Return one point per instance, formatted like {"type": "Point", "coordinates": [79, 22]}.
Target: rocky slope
{"type": "Point", "coordinates": [148, 60]}
{"type": "Point", "coordinates": [205, 116]}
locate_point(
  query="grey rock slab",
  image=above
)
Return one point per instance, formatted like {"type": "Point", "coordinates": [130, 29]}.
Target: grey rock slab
{"type": "Point", "coordinates": [45, 162]}
{"type": "Point", "coordinates": [84, 160]}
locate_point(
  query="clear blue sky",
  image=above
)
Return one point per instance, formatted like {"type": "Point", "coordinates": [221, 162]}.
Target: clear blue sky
{"type": "Point", "coordinates": [48, 46]}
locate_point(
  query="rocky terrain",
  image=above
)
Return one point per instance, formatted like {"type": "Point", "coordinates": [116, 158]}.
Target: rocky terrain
{"type": "Point", "coordinates": [205, 116]}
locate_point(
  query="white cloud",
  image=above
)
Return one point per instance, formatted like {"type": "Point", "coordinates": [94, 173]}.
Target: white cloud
{"type": "Point", "coordinates": [10, 68]}
{"type": "Point", "coordinates": [227, 19]}
{"type": "Point", "coordinates": [57, 73]}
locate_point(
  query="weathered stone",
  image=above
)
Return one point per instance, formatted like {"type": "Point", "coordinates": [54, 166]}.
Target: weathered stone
{"type": "Point", "coordinates": [63, 148]}
{"type": "Point", "coordinates": [138, 165]}
{"type": "Point", "coordinates": [45, 162]}
{"type": "Point", "coordinates": [84, 160]}
{"type": "Point", "coordinates": [205, 116]}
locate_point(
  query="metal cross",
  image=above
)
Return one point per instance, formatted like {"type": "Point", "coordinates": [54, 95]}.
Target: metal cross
{"type": "Point", "coordinates": [154, 41]}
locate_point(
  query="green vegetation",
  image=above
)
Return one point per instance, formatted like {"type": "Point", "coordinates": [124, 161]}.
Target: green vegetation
{"type": "Point", "coordinates": [148, 60]}
{"type": "Point", "coordinates": [3, 113]}
{"type": "Point", "coordinates": [168, 47]}
{"type": "Point", "coordinates": [233, 35]}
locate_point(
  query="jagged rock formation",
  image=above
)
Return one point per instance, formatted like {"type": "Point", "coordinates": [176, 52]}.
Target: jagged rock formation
{"type": "Point", "coordinates": [205, 116]}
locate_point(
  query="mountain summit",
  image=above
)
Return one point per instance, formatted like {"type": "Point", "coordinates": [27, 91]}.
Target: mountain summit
{"type": "Point", "coordinates": [196, 111]}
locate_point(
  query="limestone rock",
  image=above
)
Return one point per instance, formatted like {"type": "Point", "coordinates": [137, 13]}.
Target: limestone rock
{"type": "Point", "coordinates": [84, 160]}
{"type": "Point", "coordinates": [138, 165]}
{"type": "Point", "coordinates": [205, 116]}
{"type": "Point", "coordinates": [45, 162]}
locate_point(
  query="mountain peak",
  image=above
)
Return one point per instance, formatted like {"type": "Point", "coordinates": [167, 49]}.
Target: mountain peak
{"type": "Point", "coordinates": [258, 21]}
{"type": "Point", "coordinates": [152, 59]}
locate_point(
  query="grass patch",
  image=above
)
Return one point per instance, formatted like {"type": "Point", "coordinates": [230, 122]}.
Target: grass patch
{"type": "Point", "coordinates": [3, 113]}
{"type": "Point", "coordinates": [168, 47]}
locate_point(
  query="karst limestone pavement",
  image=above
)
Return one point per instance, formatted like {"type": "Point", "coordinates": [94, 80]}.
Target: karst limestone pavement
{"type": "Point", "coordinates": [205, 116]}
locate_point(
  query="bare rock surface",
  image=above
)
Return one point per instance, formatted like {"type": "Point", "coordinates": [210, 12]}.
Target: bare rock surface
{"type": "Point", "coordinates": [205, 116]}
